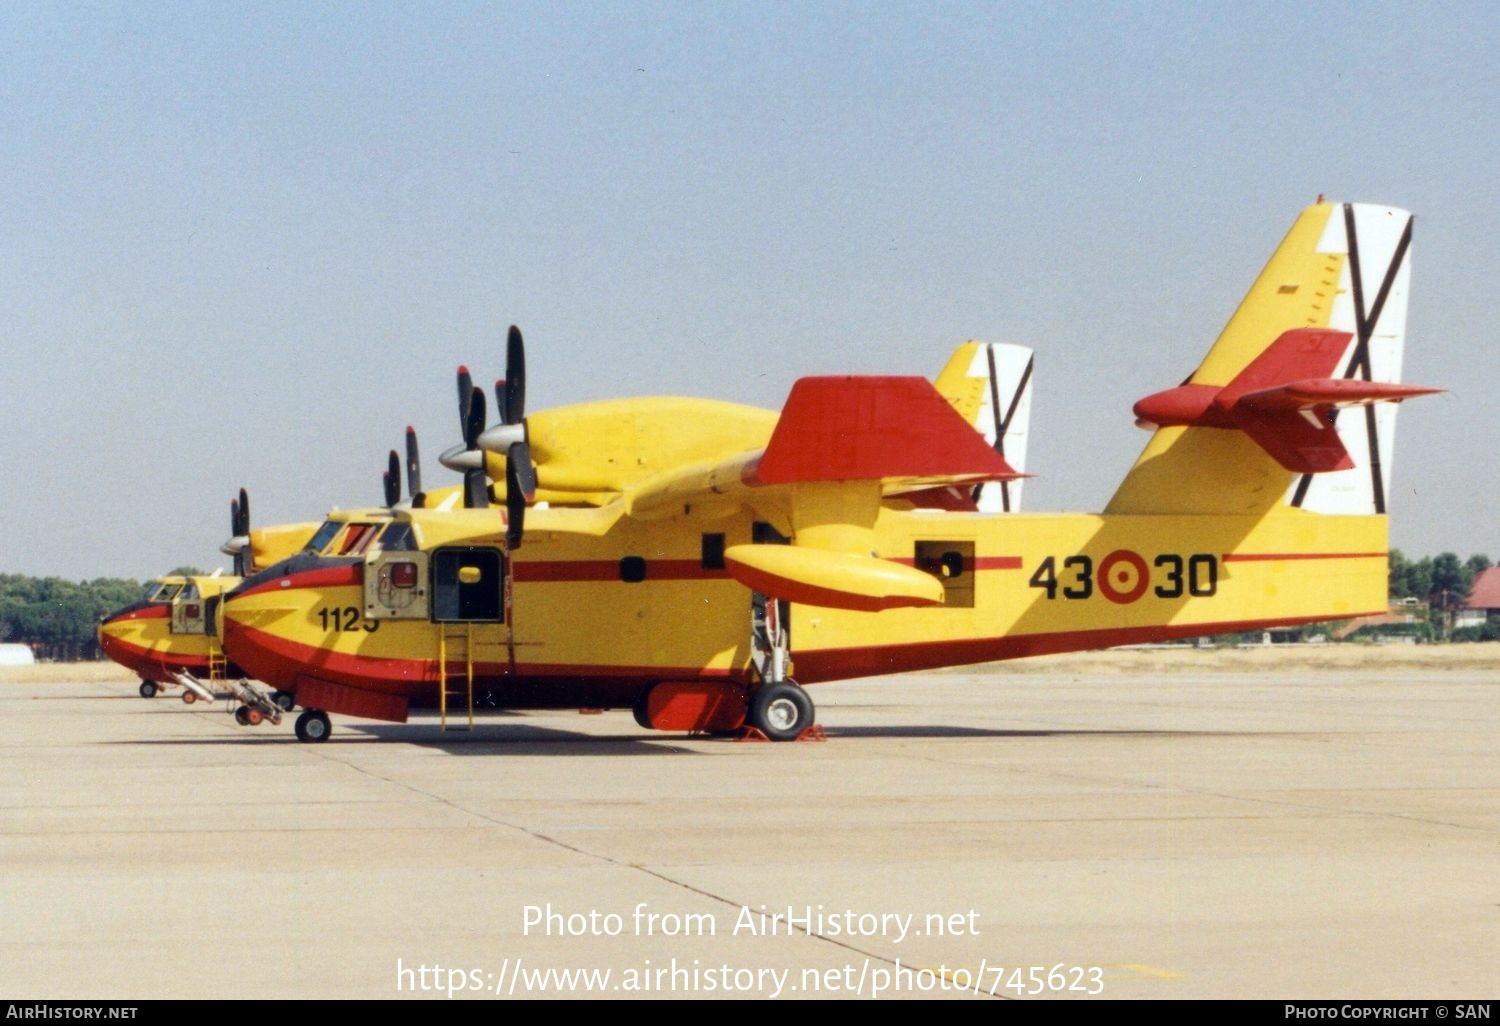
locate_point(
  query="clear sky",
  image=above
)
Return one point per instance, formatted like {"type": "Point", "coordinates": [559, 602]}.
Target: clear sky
{"type": "Point", "coordinates": [246, 244]}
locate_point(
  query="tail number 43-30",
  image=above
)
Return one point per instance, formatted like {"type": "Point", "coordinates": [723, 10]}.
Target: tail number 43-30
{"type": "Point", "coordinates": [1123, 576]}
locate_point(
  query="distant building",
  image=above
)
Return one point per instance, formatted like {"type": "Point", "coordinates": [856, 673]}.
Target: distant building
{"type": "Point", "coordinates": [1483, 600]}
{"type": "Point", "coordinates": [16, 655]}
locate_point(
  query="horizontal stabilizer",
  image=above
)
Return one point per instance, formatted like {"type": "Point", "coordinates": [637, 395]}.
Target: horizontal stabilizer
{"type": "Point", "coordinates": [869, 428]}
{"type": "Point", "coordinates": [1304, 395]}
{"type": "Point", "coordinates": [1284, 400]}
{"type": "Point", "coordinates": [1294, 355]}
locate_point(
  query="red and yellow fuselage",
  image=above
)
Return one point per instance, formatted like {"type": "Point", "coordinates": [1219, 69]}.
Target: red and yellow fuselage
{"type": "Point", "coordinates": [596, 616]}
{"type": "Point", "coordinates": [171, 630]}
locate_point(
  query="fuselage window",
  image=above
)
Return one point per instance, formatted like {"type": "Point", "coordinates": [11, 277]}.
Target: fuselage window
{"type": "Point", "coordinates": [951, 562]}
{"type": "Point", "coordinates": [398, 538]}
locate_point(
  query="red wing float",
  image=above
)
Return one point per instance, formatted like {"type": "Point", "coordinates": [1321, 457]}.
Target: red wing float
{"type": "Point", "coordinates": [688, 559]}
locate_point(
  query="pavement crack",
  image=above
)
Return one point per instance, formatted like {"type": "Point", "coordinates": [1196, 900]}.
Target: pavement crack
{"type": "Point", "coordinates": [612, 861]}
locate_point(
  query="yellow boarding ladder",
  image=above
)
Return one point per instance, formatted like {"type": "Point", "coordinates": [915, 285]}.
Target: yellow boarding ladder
{"type": "Point", "coordinates": [455, 644]}
{"type": "Point", "coordinates": [217, 664]}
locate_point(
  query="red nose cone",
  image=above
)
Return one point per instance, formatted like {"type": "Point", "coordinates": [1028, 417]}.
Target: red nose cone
{"type": "Point", "coordinates": [1185, 404]}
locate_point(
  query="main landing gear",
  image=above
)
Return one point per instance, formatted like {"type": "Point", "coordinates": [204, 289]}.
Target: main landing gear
{"type": "Point", "coordinates": [313, 725]}
{"type": "Point", "coordinates": [781, 710]}
{"type": "Point", "coordinates": [148, 689]}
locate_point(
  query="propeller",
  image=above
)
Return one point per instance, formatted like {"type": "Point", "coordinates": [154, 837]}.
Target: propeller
{"type": "Point", "coordinates": [508, 437]}
{"type": "Point", "coordinates": [238, 544]}
{"type": "Point", "coordinates": [464, 456]}
{"type": "Point", "coordinates": [511, 437]}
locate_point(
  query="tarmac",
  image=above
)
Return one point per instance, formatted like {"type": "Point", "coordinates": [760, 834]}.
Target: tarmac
{"type": "Point", "coordinates": [1323, 834]}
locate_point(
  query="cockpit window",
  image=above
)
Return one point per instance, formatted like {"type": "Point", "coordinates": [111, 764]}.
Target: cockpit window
{"type": "Point", "coordinates": [356, 539]}
{"type": "Point", "coordinates": [397, 538]}
{"type": "Point", "coordinates": [190, 593]}
{"type": "Point", "coordinates": [166, 593]}
{"type": "Point", "coordinates": [323, 536]}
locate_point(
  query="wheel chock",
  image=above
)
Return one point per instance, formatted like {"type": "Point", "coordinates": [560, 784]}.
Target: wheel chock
{"type": "Point", "coordinates": [813, 733]}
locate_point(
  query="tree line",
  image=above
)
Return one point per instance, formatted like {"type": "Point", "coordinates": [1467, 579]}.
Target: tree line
{"type": "Point", "coordinates": [1443, 581]}
{"type": "Point", "coordinates": [58, 618]}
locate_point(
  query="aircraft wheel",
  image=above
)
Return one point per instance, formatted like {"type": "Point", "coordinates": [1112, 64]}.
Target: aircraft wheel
{"type": "Point", "coordinates": [148, 689]}
{"type": "Point", "coordinates": [253, 716]}
{"type": "Point", "coordinates": [641, 711]}
{"type": "Point", "coordinates": [284, 700]}
{"type": "Point", "coordinates": [782, 711]}
{"type": "Point", "coordinates": [188, 697]}
{"type": "Point", "coordinates": [313, 725]}
{"type": "Point", "coordinates": [241, 716]}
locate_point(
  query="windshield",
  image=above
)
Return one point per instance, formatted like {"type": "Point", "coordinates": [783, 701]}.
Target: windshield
{"type": "Point", "coordinates": [356, 539]}
{"type": "Point", "coordinates": [323, 536]}
{"type": "Point", "coordinates": [166, 593]}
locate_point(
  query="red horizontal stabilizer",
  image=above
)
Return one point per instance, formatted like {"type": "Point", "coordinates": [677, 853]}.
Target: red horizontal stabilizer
{"type": "Point", "coordinates": [1302, 443]}
{"type": "Point", "coordinates": [868, 428]}
{"type": "Point", "coordinates": [1301, 395]}
{"type": "Point", "coordinates": [1296, 355]}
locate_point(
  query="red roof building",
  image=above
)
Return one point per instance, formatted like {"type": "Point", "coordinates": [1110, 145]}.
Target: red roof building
{"type": "Point", "coordinates": [1483, 600]}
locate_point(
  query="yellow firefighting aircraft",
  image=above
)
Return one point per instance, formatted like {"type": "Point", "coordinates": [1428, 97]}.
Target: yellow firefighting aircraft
{"type": "Point", "coordinates": [170, 638]}
{"type": "Point", "coordinates": [699, 562]}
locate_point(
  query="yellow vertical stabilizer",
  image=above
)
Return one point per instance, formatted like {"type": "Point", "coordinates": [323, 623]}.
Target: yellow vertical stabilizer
{"type": "Point", "coordinates": [1210, 471]}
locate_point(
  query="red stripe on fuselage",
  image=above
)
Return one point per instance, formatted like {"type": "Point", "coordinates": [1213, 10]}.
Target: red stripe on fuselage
{"type": "Point", "coordinates": [153, 612]}
{"type": "Point", "coordinates": [321, 577]}
{"type": "Point", "coordinates": [1276, 557]}
{"type": "Point", "coordinates": [977, 563]}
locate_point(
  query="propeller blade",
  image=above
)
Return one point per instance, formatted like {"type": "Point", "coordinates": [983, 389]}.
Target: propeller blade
{"type": "Point", "coordinates": [234, 533]}
{"type": "Point", "coordinates": [519, 454]}
{"type": "Point", "coordinates": [474, 425]}
{"type": "Point", "coordinates": [476, 489]}
{"type": "Point", "coordinates": [520, 489]}
{"type": "Point", "coordinates": [392, 479]}
{"type": "Point", "coordinates": [465, 394]}
{"type": "Point", "coordinates": [515, 503]}
{"type": "Point", "coordinates": [413, 465]}
{"type": "Point", "coordinates": [244, 512]}
{"type": "Point", "coordinates": [514, 408]}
